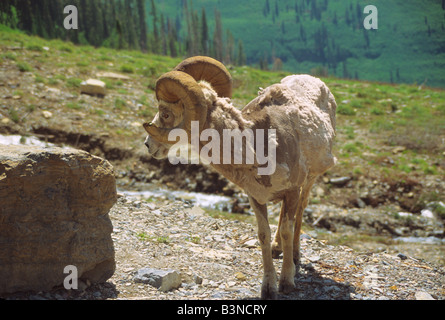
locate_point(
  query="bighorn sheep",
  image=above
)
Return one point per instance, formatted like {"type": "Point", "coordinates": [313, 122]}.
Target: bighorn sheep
{"type": "Point", "coordinates": [300, 108]}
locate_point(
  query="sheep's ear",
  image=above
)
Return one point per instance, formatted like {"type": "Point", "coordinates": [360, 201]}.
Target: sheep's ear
{"type": "Point", "coordinates": [210, 70]}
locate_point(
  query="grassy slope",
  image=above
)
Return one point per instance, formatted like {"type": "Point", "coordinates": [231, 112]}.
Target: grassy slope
{"type": "Point", "coordinates": [372, 117]}
{"type": "Point", "coordinates": [401, 41]}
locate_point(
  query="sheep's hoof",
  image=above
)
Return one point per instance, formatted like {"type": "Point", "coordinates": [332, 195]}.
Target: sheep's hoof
{"type": "Point", "coordinates": [276, 250]}
{"type": "Point", "coordinates": [286, 287]}
{"type": "Point", "coordinates": [268, 292]}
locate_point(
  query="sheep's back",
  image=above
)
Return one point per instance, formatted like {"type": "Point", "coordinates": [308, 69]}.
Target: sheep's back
{"type": "Point", "coordinates": [302, 110]}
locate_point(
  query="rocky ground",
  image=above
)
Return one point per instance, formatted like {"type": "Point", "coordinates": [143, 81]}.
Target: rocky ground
{"type": "Point", "coordinates": [221, 259]}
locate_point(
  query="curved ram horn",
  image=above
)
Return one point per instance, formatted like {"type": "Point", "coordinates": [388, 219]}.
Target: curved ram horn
{"type": "Point", "coordinates": [177, 86]}
{"type": "Point", "coordinates": [210, 70]}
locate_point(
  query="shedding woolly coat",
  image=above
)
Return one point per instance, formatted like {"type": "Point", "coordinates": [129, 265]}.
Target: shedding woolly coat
{"type": "Point", "coordinates": [302, 110]}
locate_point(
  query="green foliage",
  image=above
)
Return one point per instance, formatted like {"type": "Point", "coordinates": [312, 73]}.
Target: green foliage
{"type": "Point", "coordinates": [13, 115]}
{"type": "Point", "coordinates": [34, 47]}
{"type": "Point", "coordinates": [74, 106]}
{"type": "Point", "coordinates": [9, 55]}
{"type": "Point", "coordinates": [73, 82]}
{"type": "Point", "coordinates": [127, 69]}
{"type": "Point", "coordinates": [23, 67]}
{"type": "Point", "coordinates": [345, 110]}
{"type": "Point", "coordinates": [119, 103]}
{"type": "Point", "coordinates": [39, 79]}
{"type": "Point", "coordinates": [162, 239]}
{"type": "Point", "coordinates": [376, 111]}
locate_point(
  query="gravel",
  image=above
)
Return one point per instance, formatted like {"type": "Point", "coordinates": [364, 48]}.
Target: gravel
{"type": "Point", "coordinates": [220, 259]}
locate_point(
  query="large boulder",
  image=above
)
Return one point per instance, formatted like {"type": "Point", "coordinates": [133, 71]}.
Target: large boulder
{"type": "Point", "coordinates": [54, 206]}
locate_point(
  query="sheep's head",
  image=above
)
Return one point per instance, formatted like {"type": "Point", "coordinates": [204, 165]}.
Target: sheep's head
{"type": "Point", "coordinates": [182, 99]}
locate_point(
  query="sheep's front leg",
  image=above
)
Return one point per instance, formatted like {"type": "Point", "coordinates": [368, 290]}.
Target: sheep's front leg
{"type": "Point", "coordinates": [288, 208]}
{"type": "Point", "coordinates": [269, 285]}
{"type": "Point", "coordinates": [276, 243]}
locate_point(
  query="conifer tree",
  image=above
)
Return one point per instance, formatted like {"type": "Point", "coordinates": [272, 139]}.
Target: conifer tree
{"type": "Point", "coordinates": [25, 16]}
{"type": "Point", "coordinates": [142, 25]}
{"type": "Point", "coordinates": [230, 48]}
{"type": "Point", "coordinates": [163, 36]}
{"type": "Point", "coordinates": [218, 37]}
{"type": "Point", "coordinates": [204, 33]}
{"type": "Point", "coordinates": [240, 56]}
{"type": "Point", "coordinates": [172, 38]}
{"type": "Point", "coordinates": [155, 39]}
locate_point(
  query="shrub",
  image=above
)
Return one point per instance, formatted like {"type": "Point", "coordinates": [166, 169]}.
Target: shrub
{"type": "Point", "coordinates": [73, 106]}
{"type": "Point", "coordinates": [73, 82]}
{"type": "Point", "coordinates": [119, 103]}
{"type": "Point", "coordinates": [127, 69]}
{"type": "Point", "coordinates": [23, 67]}
{"type": "Point", "coordinates": [34, 47]}
{"type": "Point", "coordinates": [376, 111]}
{"type": "Point", "coordinates": [13, 115]}
{"type": "Point", "coordinates": [9, 55]}
{"type": "Point", "coordinates": [345, 110]}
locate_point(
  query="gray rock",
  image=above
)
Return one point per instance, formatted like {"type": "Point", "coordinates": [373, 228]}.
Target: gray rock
{"type": "Point", "coordinates": [164, 280]}
{"type": "Point", "coordinates": [426, 213]}
{"type": "Point", "coordinates": [402, 256]}
{"type": "Point", "coordinates": [422, 295]}
{"type": "Point", "coordinates": [437, 209]}
{"type": "Point", "coordinates": [361, 203]}
{"type": "Point", "coordinates": [197, 279]}
{"type": "Point", "coordinates": [54, 213]}
{"type": "Point", "coordinates": [340, 182]}
{"type": "Point", "coordinates": [93, 87]}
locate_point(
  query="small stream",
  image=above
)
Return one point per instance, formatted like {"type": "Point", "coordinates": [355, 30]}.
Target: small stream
{"type": "Point", "coordinates": [421, 240]}
{"type": "Point", "coordinates": [22, 140]}
{"type": "Point", "coordinates": [207, 201]}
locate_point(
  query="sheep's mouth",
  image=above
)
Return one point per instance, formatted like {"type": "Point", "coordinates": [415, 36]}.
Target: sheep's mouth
{"type": "Point", "coordinates": [158, 154]}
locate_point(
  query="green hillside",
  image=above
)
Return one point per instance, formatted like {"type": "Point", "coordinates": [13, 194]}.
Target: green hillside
{"type": "Point", "coordinates": [321, 37]}
{"type": "Point", "coordinates": [392, 134]}
{"type": "Point", "coordinates": [328, 35]}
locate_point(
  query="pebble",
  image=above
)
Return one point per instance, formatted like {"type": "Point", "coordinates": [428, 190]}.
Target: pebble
{"type": "Point", "coordinates": [402, 256]}
{"type": "Point", "coordinates": [251, 244]}
{"type": "Point", "coordinates": [314, 258]}
{"type": "Point", "coordinates": [340, 181]}
{"type": "Point", "coordinates": [164, 280]}
{"type": "Point", "coordinates": [422, 295]}
{"type": "Point", "coordinates": [427, 213]}
{"type": "Point", "coordinates": [240, 276]}
{"type": "Point", "coordinates": [197, 279]}
{"type": "Point", "coordinates": [46, 114]}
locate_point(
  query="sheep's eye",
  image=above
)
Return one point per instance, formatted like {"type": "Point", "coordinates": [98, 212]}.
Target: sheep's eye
{"type": "Point", "coordinates": [165, 115]}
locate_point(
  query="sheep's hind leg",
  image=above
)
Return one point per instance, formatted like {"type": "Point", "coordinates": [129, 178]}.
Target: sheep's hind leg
{"type": "Point", "coordinates": [288, 208]}
{"type": "Point", "coordinates": [302, 203]}
{"type": "Point", "coordinates": [269, 285]}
